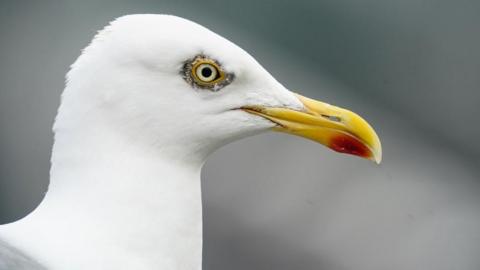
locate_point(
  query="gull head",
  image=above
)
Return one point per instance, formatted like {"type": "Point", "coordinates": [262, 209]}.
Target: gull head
{"type": "Point", "coordinates": [169, 83]}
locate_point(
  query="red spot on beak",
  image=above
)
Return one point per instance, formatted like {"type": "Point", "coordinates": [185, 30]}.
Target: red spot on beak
{"type": "Point", "coordinates": [350, 145]}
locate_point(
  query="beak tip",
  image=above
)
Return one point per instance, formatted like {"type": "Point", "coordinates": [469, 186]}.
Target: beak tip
{"type": "Point", "coordinates": [377, 154]}
{"type": "Point", "coordinates": [377, 159]}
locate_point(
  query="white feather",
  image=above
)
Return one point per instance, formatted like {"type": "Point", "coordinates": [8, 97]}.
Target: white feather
{"type": "Point", "coordinates": [131, 137]}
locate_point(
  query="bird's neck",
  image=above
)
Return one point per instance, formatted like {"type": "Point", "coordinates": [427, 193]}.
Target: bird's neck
{"type": "Point", "coordinates": [113, 204]}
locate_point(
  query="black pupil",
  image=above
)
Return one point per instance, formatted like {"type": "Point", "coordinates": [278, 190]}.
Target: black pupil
{"type": "Point", "coordinates": [206, 72]}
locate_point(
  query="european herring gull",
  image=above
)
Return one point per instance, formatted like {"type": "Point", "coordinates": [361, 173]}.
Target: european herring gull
{"type": "Point", "coordinates": [144, 105]}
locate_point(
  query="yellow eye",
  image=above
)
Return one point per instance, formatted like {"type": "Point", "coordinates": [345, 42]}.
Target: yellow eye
{"type": "Point", "coordinates": [207, 72]}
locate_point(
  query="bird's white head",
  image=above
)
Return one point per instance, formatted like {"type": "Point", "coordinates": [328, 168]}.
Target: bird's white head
{"type": "Point", "coordinates": [168, 83]}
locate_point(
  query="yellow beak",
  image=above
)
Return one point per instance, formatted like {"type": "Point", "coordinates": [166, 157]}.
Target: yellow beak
{"type": "Point", "coordinates": [337, 128]}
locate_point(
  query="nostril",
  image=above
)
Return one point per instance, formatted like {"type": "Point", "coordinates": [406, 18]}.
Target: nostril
{"type": "Point", "coordinates": [332, 118]}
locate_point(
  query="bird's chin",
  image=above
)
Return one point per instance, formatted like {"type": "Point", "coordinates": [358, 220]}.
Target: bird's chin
{"type": "Point", "coordinates": [235, 124]}
{"type": "Point", "coordinates": [254, 123]}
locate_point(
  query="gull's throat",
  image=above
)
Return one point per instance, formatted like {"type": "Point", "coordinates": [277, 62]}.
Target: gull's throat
{"type": "Point", "coordinates": [117, 205]}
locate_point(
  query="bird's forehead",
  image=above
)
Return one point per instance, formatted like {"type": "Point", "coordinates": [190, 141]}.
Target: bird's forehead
{"type": "Point", "coordinates": [176, 39]}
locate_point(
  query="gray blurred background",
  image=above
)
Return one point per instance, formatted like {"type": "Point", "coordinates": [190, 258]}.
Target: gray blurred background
{"type": "Point", "coordinates": [411, 67]}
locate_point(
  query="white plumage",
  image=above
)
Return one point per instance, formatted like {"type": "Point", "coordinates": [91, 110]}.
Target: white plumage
{"type": "Point", "coordinates": [132, 132]}
{"type": "Point", "coordinates": [130, 139]}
